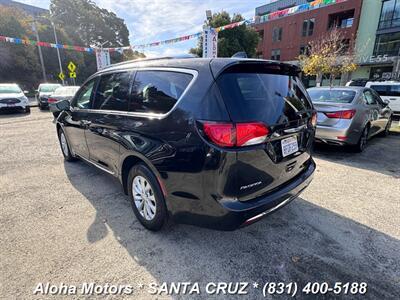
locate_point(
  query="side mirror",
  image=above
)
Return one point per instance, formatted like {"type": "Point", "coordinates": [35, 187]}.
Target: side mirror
{"type": "Point", "coordinates": [26, 92]}
{"type": "Point", "coordinates": [60, 106]}
{"type": "Point", "coordinates": [385, 102]}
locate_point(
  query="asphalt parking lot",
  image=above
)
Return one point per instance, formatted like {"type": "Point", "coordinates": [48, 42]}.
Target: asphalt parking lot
{"type": "Point", "coordinates": [70, 223]}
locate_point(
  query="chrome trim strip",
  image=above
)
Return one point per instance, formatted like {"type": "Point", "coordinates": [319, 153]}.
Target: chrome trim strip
{"type": "Point", "coordinates": [96, 165]}
{"type": "Point", "coordinates": [297, 129]}
{"type": "Point", "coordinates": [256, 217]}
{"type": "Point", "coordinates": [194, 73]}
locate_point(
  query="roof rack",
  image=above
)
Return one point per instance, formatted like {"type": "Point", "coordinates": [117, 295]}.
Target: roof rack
{"type": "Point", "coordinates": [150, 59]}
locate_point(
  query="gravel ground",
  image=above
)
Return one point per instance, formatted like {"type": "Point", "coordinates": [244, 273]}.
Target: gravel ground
{"type": "Point", "coordinates": [70, 223]}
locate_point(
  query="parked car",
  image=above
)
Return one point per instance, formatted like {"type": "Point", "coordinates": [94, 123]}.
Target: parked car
{"type": "Point", "coordinates": [61, 93]}
{"type": "Point", "coordinates": [214, 142]}
{"type": "Point", "coordinates": [43, 93]}
{"type": "Point", "coordinates": [388, 90]}
{"type": "Point", "coordinates": [13, 98]}
{"type": "Point", "coordinates": [350, 115]}
{"type": "Point", "coordinates": [357, 82]}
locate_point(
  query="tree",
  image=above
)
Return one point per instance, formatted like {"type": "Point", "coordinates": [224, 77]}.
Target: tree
{"type": "Point", "coordinates": [89, 25]}
{"type": "Point", "coordinates": [329, 54]}
{"type": "Point", "coordinates": [18, 63]}
{"type": "Point", "coordinates": [131, 55]}
{"type": "Point", "coordinates": [241, 38]}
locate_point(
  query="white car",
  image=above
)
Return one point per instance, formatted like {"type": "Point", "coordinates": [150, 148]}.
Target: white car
{"type": "Point", "coordinates": [388, 90]}
{"type": "Point", "coordinates": [12, 97]}
{"type": "Point", "coordinates": [43, 93]}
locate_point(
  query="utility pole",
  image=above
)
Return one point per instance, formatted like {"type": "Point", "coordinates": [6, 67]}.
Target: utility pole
{"type": "Point", "coordinates": [40, 50]}
{"type": "Point", "coordinates": [58, 50]}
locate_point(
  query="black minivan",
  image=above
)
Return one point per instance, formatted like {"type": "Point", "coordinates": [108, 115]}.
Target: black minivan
{"type": "Point", "coordinates": [215, 142]}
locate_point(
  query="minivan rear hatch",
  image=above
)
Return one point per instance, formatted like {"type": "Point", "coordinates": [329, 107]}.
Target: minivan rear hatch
{"type": "Point", "coordinates": [270, 94]}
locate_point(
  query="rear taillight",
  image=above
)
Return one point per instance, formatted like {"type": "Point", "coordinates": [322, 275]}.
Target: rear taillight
{"type": "Point", "coordinates": [343, 114]}
{"type": "Point", "coordinates": [314, 118]}
{"type": "Point", "coordinates": [235, 135]}
{"type": "Point", "coordinates": [221, 134]}
{"type": "Point", "coordinates": [51, 100]}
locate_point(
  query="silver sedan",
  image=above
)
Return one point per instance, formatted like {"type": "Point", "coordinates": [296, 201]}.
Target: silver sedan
{"type": "Point", "coordinates": [349, 115]}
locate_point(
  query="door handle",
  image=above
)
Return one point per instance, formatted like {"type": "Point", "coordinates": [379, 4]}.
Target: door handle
{"type": "Point", "coordinates": [85, 123]}
{"type": "Point", "coordinates": [392, 99]}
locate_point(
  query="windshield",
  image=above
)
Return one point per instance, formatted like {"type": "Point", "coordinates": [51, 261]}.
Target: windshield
{"type": "Point", "coordinates": [387, 90]}
{"type": "Point", "coordinates": [10, 89]}
{"type": "Point", "coordinates": [265, 97]}
{"type": "Point", "coordinates": [333, 96]}
{"type": "Point", "coordinates": [67, 91]}
{"type": "Point", "coordinates": [49, 88]}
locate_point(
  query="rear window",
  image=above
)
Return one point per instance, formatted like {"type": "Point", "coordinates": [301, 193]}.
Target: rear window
{"type": "Point", "coordinates": [270, 98]}
{"type": "Point", "coordinates": [158, 91]}
{"type": "Point", "coordinates": [387, 90]}
{"type": "Point", "coordinates": [49, 88]}
{"type": "Point", "coordinates": [67, 91]}
{"type": "Point", "coordinates": [332, 96]}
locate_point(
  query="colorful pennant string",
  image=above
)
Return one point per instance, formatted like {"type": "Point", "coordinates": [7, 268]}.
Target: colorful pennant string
{"type": "Point", "coordinates": [295, 9]}
{"type": "Point", "coordinates": [264, 18]}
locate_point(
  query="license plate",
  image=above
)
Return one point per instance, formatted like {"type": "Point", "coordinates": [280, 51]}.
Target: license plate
{"type": "Point", "coordinates": [289, 146]}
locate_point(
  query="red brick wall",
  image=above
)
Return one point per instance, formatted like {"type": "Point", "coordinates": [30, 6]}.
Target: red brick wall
{"type": "Point", "coordinates": [292, 25]}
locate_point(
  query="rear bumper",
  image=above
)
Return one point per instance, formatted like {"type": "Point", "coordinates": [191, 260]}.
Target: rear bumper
{"type": "Point", "coordinates": [232, 214]}
{"type": "Point", "coordinates": [330, 135]}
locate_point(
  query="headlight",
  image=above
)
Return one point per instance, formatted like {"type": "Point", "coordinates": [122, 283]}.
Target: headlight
{"type": "Point", "coordinates": [23, 99]}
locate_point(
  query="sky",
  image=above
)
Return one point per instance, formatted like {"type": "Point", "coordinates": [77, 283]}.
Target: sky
{"type": "Point", "coordinates": [153, 20]}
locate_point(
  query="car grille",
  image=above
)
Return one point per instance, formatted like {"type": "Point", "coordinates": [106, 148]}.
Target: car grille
{"type": "Point", "coordinates": [9, 101]}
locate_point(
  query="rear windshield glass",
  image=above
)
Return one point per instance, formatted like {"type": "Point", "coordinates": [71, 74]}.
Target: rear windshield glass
{"type": "Point", "coordinates": [67, 91]}
{"type": "Point", "coordinates": [49, 88]}
{"type": "Point", "coordinates": [10, 89]}
{"type": "Point", "coordinates": [335, 96]}
{"type": "Point", "coordinates": [387, 90]}
{"type": "Point", "coordinates": [270, 98]}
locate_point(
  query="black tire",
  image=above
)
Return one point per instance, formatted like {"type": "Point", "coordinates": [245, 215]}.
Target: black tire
{"type": "Point", "coordinates": [386, 132]}
{"type": "Point", "coordinates": [40, 106]}
{"type": "Point", "coordinates": [28, 109]}
{"type": "Point", "coordinates": [65, 151]}
{"type": "Point", "coordinates": [362, 142]}
{"type": "Point", "coordinates": [160, 216]}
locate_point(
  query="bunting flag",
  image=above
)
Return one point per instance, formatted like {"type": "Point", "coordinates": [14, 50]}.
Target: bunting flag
{"type": "Point", "coordinates": [45, 44]}
{"type": "Point", "coordinates": [94, 49]}
{"type": "Point", "coordinates": [295, 9]}
{"type": "Point", "coordinates": [264, 18]}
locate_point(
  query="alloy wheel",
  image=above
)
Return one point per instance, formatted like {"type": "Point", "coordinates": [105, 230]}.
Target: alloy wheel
{"type": "Point", "coordinates": [364, 139]}
{"type": "Point", "coordinates": [144, 198]}
{"type": "Point", "coordinates": [64, 145]}
{"type": "Point", "coordinates": [388, 126]}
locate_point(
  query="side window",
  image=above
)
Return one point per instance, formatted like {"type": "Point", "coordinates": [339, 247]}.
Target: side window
{"type": "Point", "coordinates": [82, 100]}
{"type": "Point", "coordinates": [158, 91]}
{"type": "Point", "coordinates": [377, 98]}
{"type": "Point", "coordinates": [113, 92]}
{"type": "Point", "coordinates": [369, 98]}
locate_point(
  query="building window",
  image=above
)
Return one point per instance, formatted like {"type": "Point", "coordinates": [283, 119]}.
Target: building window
{"type": "Point", "coordinates": [341, 20]}
{"type": "Point", "coordinates": [276, 54]}
{"type": "Point", "coordinates": [387, 44]}
{"type": "Point", "coordinates": [277, 34]}
{"type": "Point", "coordinates": [390, 14]}
{"type": "Point", "coordinates": [308, 27]}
